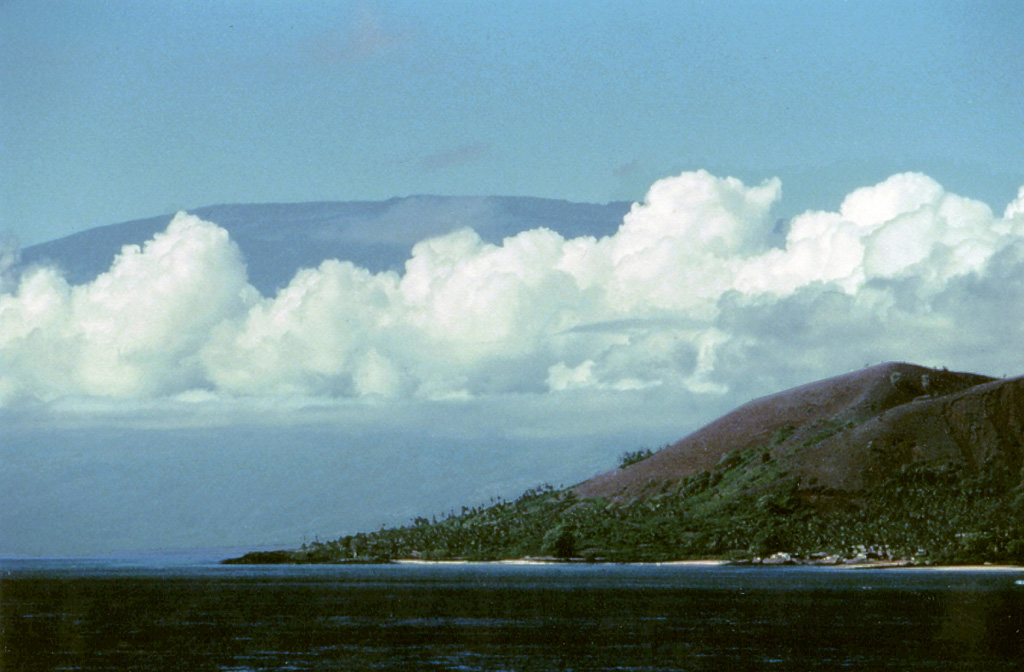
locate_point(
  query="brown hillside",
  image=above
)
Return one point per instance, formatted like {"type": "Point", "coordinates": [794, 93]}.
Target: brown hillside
{"type": "Point", "coordinates": [984, 423]}
{"type": "Point", "coordinates": [846, 432]}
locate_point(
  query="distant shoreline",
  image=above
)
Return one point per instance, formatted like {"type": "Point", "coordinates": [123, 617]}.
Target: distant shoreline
{"type": "Point", "coordinates": [710, 562]}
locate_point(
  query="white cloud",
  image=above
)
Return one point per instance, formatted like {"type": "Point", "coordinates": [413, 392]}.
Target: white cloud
{"type": "Point", "coordinates": [132, 332]}
{"type": "Point", "coordinates": [871, 207]}
{"type": "Point", "coordinates": [1016, 207]}
{"type": "Point", "coordinates": [689, 295]}
{"type": "Point", "coordinates": [307, 339]}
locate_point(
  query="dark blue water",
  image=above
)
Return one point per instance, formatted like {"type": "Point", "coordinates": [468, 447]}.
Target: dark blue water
{"type": "Point", "coordinates": [146, 616]}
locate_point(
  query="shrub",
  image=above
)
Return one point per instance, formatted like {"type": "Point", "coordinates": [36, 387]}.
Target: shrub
{"type": "Point", "coordinates": [633, 456]}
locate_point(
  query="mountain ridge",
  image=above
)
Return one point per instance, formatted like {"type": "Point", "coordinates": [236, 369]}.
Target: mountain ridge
{"type": "Point", "coordinates": [278, 239]}
{"type": "Point", "coordinates": [801, 413]}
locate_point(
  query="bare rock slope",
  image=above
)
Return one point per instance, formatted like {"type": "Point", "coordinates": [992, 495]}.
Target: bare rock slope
{"type": "Point", "coordinates": [846, 434]}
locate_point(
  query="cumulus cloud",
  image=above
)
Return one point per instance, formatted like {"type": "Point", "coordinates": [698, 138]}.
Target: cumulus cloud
{"type": "Point", "coordinates": [1015, 208]}
{"type": "Point", "coordinates": [690, 295]}
{"type": "Point", "coordinates": [135, 330]}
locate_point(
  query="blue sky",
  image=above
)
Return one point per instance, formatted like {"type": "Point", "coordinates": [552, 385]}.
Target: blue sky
{"type": "Point", "coordinates": [121, 110]}
{"type": "Point", "coordinates": [167, 403]}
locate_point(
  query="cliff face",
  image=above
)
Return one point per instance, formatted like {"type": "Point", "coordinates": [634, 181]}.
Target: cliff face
{"type": "Point", "coordinates": [848, 433]}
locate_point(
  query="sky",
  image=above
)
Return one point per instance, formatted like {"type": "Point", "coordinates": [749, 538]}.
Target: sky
{"type": "Point", "coordinates": [169, 404]}
{"type": "Point", "coordinates": [128, 109]}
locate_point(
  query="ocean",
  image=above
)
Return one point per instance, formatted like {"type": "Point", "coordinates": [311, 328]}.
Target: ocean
{"type": "Point", "coordinates": [146, 614]}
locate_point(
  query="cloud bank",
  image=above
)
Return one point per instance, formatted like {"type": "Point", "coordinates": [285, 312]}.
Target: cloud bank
{"type": "Point", "coordinates": [689, 295]}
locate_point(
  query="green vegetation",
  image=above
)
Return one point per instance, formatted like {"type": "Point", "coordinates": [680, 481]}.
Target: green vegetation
{"type": "Point", "coordinates": [828, 430]}
{"type": "Point", "coordinates": [748, 506]}
{"type": "Point", "coordinates": [633, 456]}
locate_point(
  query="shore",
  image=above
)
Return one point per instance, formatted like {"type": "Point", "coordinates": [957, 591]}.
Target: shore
{"type": "Point", "coordinates": [557, 561]}
{"type": "Point", "coordinates": [777, 560]}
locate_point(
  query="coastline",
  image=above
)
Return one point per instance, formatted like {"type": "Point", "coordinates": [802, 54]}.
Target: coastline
{"type": "Point", "coordinates": [772, 562]}
{"type": "Point", "coordinates": [557, 561]}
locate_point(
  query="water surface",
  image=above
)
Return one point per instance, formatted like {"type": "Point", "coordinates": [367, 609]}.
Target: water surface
{"type": "Point", "coordinates": [148, 615]}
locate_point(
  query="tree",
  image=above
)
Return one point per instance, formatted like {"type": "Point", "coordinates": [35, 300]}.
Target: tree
{"type": "Point", "coordinates": [633, 456]}
{"type": "Point", "coordinates": [560, 542]}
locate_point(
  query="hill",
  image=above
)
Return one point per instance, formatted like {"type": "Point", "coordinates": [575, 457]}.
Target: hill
{"type": "Point", "coordinates": [892, 463]}
{"type": "Point", "coordinates": [843, 433]}
{"type": "Point", "coordinates": [277, 239]}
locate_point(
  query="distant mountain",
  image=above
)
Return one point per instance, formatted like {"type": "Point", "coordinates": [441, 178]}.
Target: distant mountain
{"type": "Point", "coordinates": [279, 239]}
{"type": "Point", "coordinates": [894, 463]}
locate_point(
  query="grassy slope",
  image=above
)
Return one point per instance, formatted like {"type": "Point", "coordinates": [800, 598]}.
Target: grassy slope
{"type": "Point", "coordinates": [829, 485]}
{"type": "Point", "coordinates": [747, 506]}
